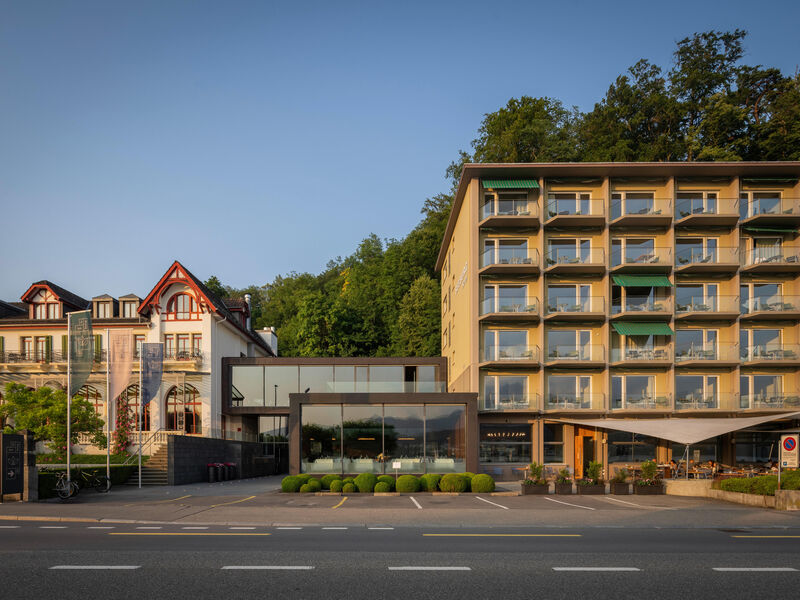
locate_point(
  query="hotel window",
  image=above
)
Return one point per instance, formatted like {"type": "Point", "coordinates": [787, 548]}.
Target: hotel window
{"type": "Point", "coordinates": [506, 344]}
{"type": "Point", "coordinates": [504, 443]}
{"type": "Point", "coordinates": [169, 346]}
{"type": "Point", "coordinates": [569, 344]}
{"type": "Point", "coordinates": [759, 203]}
{"type": "Point", "coordinates": [182, 307]}
{"type": "Point", "coordinates": [129, 310]}
{"type": "Point", "coordinates": [553, 443]}
{"type": "Point", "coordinates": [757, 297]}
{"type": "Point", "coordinates": [569, 298]}
{"type": "Point", "coordinates": [505, 298]}
{"type": "Point", "coordinates": [505, 391]}
{"type": "Point", "coordinates": [634, 391]}
{"type": "Point", "coordinates": [696, 344]}
{"type": "Point", "coordinates": [505, 251]}
{"type": "Point", "coordinates": [633, 250]}
{"type": "Point", "coordinates": [696, 391]}
{"type": "Point", "coordinates": [505, 203]}
{"type": "Point", "coordinates": [632, 203]}
{"type": "Point", "coordinates": [696, 250]}
{"type": "Point", "coordinates": [700, 297]}
{"type": "Point", "coordinates": [568, 203]}
{"type": "Point", "coordinates": [764, 391]}
{"type": "Point", "coordinates": [565, 392]}
{"type": "Point", "coordinates": [103, 310]}
{"type": "Point", "coordinates": [138, 340]}
{"type": "Point", "coordinates": [197, 344]}
{"type": "Point", "coordinates": [757, 344]}
{"type": "Point", "coordinates": [91, 395]}
{"type": "Point", "coordinates": [184, 409]}
{"type": "Point", "coordinates": [766, 249]}
{"type": "Point", "coordinates": [695, 203]}
{"type": "Point", "coordinates": [568, 251]}
{"type": "Point", "coordinates": [26, 347]}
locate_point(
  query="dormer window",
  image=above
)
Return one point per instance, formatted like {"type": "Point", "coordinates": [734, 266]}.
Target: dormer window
{"type": "Point", "coordinates": [103, 310]}
{"type": "Point", "coordinates": [129, 310]}
{"type": "Point", "coordinates": [182, 307]}
{"type": "Point", "coordinates": [46, 310]}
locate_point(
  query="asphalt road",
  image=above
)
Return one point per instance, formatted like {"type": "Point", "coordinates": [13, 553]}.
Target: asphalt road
{"type": "Point", "coordinates": [79, 560]}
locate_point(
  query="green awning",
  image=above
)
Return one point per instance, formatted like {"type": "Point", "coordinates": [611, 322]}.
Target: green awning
{"type": "Point", "coordinates": [642, 328]}
{"type": "Point", "coordinates": [765, 229]}
{"type": "Point", "coordinates": [641, 280]}
{"type": "Point", "coordinates": [510, 184]}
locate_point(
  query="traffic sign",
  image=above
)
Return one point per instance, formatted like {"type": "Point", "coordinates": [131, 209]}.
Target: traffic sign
{"type": "Point", "coordinates": [789, 451]}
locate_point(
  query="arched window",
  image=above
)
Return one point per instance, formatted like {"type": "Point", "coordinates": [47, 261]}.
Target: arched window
{"type": "Point", "coordinates": [90, 393]}
{"type": "Point", "coordinates": [131, 398]}
{"type": "Point", "coordinates": [184, 409]}
{"type": "Point", "coordinates": [182, 307]}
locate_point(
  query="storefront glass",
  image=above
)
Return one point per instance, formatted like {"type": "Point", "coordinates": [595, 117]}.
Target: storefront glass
{"type": "Point", "coordinates": [403, 438]}
{"type": "Point", "coordinates": [445, 438]}
{"type": "Point", "coordinates": [630, 447]}
{"type": "Point", "coordinates": [321, 439]}
{"type": "Point", "coordinates": [504, 443]}
{"type": "Point", "coordinates": [363, 438]}
{"type": "Point", "coordinates": [757, 446]}
{"type": "Point", "coordinates": [553, 434]}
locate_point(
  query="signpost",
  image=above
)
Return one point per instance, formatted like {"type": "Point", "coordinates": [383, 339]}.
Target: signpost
{"type": "Point", "coordinates": [788, 453]}
{"type": "Point", "coordinates": [12, 449]}
{"type": "Point", "coordinates": [396, 466]}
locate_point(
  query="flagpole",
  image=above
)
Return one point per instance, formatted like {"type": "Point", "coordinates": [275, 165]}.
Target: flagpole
{"type": "Point", "coordinates": [69, 395]}
{"type": "Point", "coordinates": [139, 414]}
{"type": "Point", "coordinates": [108, 405]}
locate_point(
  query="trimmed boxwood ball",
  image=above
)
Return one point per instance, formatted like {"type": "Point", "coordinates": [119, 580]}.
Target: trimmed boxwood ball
{"type": "Point", "coordinates": [468, 476]}
{"type": "Point", "coordinates": [348, 480]}
{"type": "Point", "coordinates": [349, 488]}
{"type": "Point", "coordinates": [306, 489]}
{"type": "Point", "coordinates": [482, 484]}
{"type": "Point", "coordinates": [429, 482]}
{"type": "Point", "coordinates": [407, 484]}
{"type": "Point", "coordinates": [327, 479]}
{"type": "Point", "coordinates": [304, 477]}
{"type": "Point", "coordinates": [382, 487]}
{"type": "Point", "coordinates": [314, 484]}
{"type": "Point", "coordinates": [291, 483]}
{"type": "Point", "coordinates": [453, 482]}
{"type": "Point", "coordinates": [388, 480]}
{"type": "Point", "coordinates": [366, 483]}
{"type": "Point", "coordinates": [336, 485]}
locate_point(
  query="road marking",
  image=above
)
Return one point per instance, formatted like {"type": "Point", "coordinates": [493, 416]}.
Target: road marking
{"type": "Point", "coordinates": [340, 503]}
{"type": "Point", "coordinates": [430, 569]}
{"type": "Point", "coordinates": [639, 505]}
{"type": "Point", "coordinates": [94, 567]}
{"type": "Point", "coordinates": [178, 533]}
{"type": "Point", "coordinates": [381, 528]}
{"type": "Point", "coordinates": [489, 502]}
{"type": "Point", "coordinates": [334, 527]}
{"type": "Point", "coordinates": [9, 526]}
{"type": "Point", "coordinates": [149, 528]}
{"type": "Point", "coordinates": [98, 527]}
{"type": "Point", "coordinates": [173, 499]}
{"type": "Point", "coordinates": [267, 568]}
{"type": "Point", "coordinates": [234, 502]}
{"type": "Point", "coordinates": [194, 527]}
{"type": "Point", "coordinates": [414, 500]}
{"type": "Point", "coordinates": [244, 527]}
{"type": "Point", "coordinates": [52, 526]}
{"type": "Point", "coordinates": [754, 569]}
{"type": "Point", "coordinates": [502, 535]}
{"type": "Point", "coordinates": [595, 569]}
{"type": "Point", "coordinates": [767, 537]}
{"type": "Point", "coordinates": [568, 504]}
{"type": "Point", "coordinates": [288, 528]}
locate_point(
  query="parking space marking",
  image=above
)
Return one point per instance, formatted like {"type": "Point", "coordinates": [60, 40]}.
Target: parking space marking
{"type": "Point", "coordinates": [569, 504]}
{"type": "Point", "coordinates": [381, 528]}
{"type": "Point", "coordinates": [52, 526]}
{"type": "Point", "coordinates": [430, 569]}
{"type": "Point", "coordinates": [334, 528]}
{"type": "Point", "coordinates": [340, 503]}
{"type": "Point", "coordinates": [766, 537]}
{"type": "Point", "coordinates": [492, 503]}
{"type": "Point", "coordinates": [9, 526]}
{"type": "Point", "coordinates": [234, 502]}
{"type": "Point", "coordinates": [267, 568]}
{"type": "Point", "coordinates": [602, 569]}
{"type": "Point", "coordinates": [99, 527]}
{"type": "Point", "coordinates": [173, 499]}
{"type": "Point", "coordinates": [177, 533]}
{"type": "Point", "coordinates": [194, 527]}
{"type": "Point", "coordinates": [754, 569]}
{"type": "Point", "coordinates": [638, 505]}
{"type": "Point", "coordinates": [94, 567]}
{"type": "Point", "coordinates": [414, 500]}
{"type": "Point", "coordinates": [288, 528]}
{"type": "Point", "coordinates": [239, 528]}
{"type": "Point", "coordinates": [569, 535]}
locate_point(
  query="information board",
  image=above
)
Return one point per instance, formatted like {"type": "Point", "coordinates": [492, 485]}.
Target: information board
{"type": "Point", "coordinates": [13, 451]}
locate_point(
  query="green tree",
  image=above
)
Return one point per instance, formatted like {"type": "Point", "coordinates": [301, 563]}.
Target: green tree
{"type": "Point", "coordinates": [44, 413]}
{"type": "Point", "coordinates": [417, 331]}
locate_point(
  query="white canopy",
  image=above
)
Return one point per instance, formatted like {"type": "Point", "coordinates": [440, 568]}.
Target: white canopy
{"type": "Point", "coordinates": [684, 431]}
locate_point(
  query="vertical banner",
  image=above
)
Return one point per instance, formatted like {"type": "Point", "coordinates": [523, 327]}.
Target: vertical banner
{"type": "Point", "coordinates": [152, 368]}
{"type": "Point", "coordinates": [120, 361]}
{"type": "Point", "coordinates": [81, 349]}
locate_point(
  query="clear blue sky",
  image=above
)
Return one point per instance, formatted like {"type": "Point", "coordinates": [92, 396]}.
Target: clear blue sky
{"type": "Point", "coordinates": [253, 139]}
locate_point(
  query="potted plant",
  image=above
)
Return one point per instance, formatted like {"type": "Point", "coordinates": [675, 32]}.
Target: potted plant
{"type": "Point", "coordinates": [564, 482]}
{"type": "Point", "coordinates": [534, 483]}
{"type": "Point", "coordinates": [619, 483]}
{"type": "Point", "coordinates": [593, 482]}
{"type": "Point", "coordinates": [648, 483]}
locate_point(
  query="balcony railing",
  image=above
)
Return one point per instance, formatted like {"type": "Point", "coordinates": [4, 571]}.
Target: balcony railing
{"type": "Point", "coordinates": [510, 256]}
{"type": "Point", "coordinates": [770, 352]}
{"type": "Point", "coordinates": [641, 207]}
{"type": "Point", "coordinates": [523, 305]}
{"type": "Point", "coordinates": [590, 304]}
{"type": "Point", "coordinates": [183, 355]}
{"type": "Point", "coordinates": [569, 207]}
{"type": "Point", "coordinates": [658, 353]}
{"type": "Point", "coordinates": [639, 304]}
{"type": "Point", "coordinates": [510, 208]}
{"type": "Point", "coordinates": [758, 207]}
{"type": "Point", "coordinates": [771, 304]}
{"type": "Point", "coordinates": [770, 257]}
{"type": "Point", "coordinates": [705, 402]}
{"type": "Point", "coordinates": [510, 402]}
{"type": "Point", "coordinates": [564, 256]}
{"type": "Point", "coordinates": [685, 257]}
{"type": "Point", "coordinates": [694, 206]}
{"type": "Point", "coordinates": [511, 353]}
{"type": "Point", "coordinates": [647, 402]}
{"type": "Point", "coordinates": [716, 352]}
{"type": "Point", "coordinates": [574, 401]}
{"type": "Point", "coordinates": [590, 352]}
{"type": "Point", "coordinates": [769, 401]}
{"type": "Point", "coordinates": [641, 256]}
{"type": "Point", "coordinates": [53, 356]}
{"type": "Point", "coordinates": [707, 304]}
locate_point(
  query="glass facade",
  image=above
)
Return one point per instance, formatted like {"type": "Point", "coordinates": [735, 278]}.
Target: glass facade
{"type": "Point", "coordinates": [630, 447]}
{"type": "Point", "coordinates": [504, 443]}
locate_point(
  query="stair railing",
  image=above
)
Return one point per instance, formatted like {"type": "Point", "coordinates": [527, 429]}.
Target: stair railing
{"type": "Point", "coordinates": [159, 436]}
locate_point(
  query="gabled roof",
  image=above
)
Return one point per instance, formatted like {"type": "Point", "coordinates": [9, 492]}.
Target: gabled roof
{"type": "Point", "coordinates": [130, 296]}
{"type": "Point", "coordinates": [103, 297]}
{"type": "Point", "coordinates": [9, 309]}
{"type": "Point", "coordinates": [65, 296]}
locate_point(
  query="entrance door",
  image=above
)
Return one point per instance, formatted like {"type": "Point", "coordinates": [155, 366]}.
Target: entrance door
{"type": "Point", "coordinates": [584, 450]}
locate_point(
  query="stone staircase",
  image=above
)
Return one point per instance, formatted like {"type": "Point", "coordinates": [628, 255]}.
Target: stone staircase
{"type": "Point", "coordinates": [154, 471]}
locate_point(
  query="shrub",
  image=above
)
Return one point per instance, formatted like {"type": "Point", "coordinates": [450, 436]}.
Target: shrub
{"type": "Point", "coordinates": [382, 487]}
{"type": "Point", "coordinates": [407, 484]}
{"type": "Point", "coordinates": [790, 480]}
{"type": "Point", "coordinates": [468, 476]}
{"type": "Point", "coordinates": [349, 488]}
{"type": "Point", "coordinates": [594, 474]}
{"type": "Point", "coordinates": [327, 479]}
{"type": "Point", "coordinates": [314, 484]}
{"type": "Point", "coordinates": [649, 469]}
{"type": "Point", "coordinates": [453, 482]}
{"type": "Point", "coordinates": [304, 477]}
{"type": "Point", "coordinates": [535, 471]}
{"type": "Point", "coordinates": [291, 483]}
{"type": "Point", "coordinates": [365, 483]}
{"type": "Point", "coordinates": [336, 485]}
{"type": "Point", "coordinates": [621, 476]}
{"type": "Point", "coordinates": [482, 484]}
{"type": "Point", "coordinates": [306, 489]}
{"type": "Point", "coordinates": [388, 480]}
{"type": "Point", "coordinates": [348, 480]}
{"type": "Point", "coordinates": [429, 482]}
{"type": "Point", "coordinates": [564, 476]}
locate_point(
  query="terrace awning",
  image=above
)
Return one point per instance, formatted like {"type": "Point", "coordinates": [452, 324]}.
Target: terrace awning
{"type": "Point", "coordinates": [510, 184]}
{"type": "Point", "coordinates": [765, 229]}
{"type": "Point", "coordinates": [641, 280]}
{"type": "Point", "coordinates": [642, 328]}
{"type": "Point", "coordinates": [683, 431]}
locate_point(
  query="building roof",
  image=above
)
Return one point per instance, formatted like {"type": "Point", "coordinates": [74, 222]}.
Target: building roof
{"type": "Point", "coordinates": [64, 295]}
{"type": "Point", "coordinates": [11, 309]}
{"type": "Point", "coordinates": [130, 297]}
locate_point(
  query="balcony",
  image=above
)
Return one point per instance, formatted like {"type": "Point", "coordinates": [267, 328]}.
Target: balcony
{"type": "Point", "coordinates": [510, 356]}
{"type": "Point", "coordinates": [772, 260]}
{"type": "Point", "coordinates": [769, 402]}
{"type": "Point", "coordinates": [510, 261]}
{"type": "Point", "coordinates": [510, 214]}
{"type": "Point", "coordinates": [642, 212]}
{"type": "Point", "coordinates": [648, 356]}
{"type": "Point", "coordinates": [695, 259]}
{"type": "Point", "coordinates": [42, 361]}
{"type": "Point", "coordinates": [710, 356]}
{"type": "Point", "coordinates": [591, 308]}
{"type": "Point", "coordinates": [572, 261]}
{"type": "Point", "coordinates": [770, 308]}
{"type": "Point", "coordinates": [771, 211]}
{"type": "Point", "coordinates": [587, 356]}
{"type": "Point", "coordinates": [642, 308]}
{"type": "Point", "coordinates": [642, 260]}
{"type": "Point", "coordinates": [647, 403]}
{"type": "Point", "coordinates": [510, 402]}
{"type": "Point", "coordinates": [696, 211]}
{"type": "Point", "coordinates": [514, 310]}
{"type": "Point", "coordinates": [575, 213]}
{"type": "Point", "coordinates": [699, 308]}
{"type": "Point", "coordinates": [718, 401]}
{"type": "Point", "coordinates": [183, 358]}
{"type": "Point", "coordinates": [779, 355]}
{"type": "Point", "coordinates": [569, 402]}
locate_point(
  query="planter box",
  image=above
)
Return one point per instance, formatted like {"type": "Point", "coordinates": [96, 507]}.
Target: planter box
{"type": "Point", "coordinates": [530, 490]}
{"type": "Point", "coordinates": [591, 490]}
{"type": "Point", "coordinates": [648, 490]}
{"type": "Point", "coordinates": [564, 488]}
{"type": "Point", "coordinates": [620, 489]}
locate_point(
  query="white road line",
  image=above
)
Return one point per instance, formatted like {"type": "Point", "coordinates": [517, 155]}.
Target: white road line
{"type": "Point", "coordinates": [52, 526]}
{"type": "Point", "coordinates": [267, 568]}
{"type": "Point", "coordinates": [492, 503]}
{"type": "Point", "coordinates": [288, 528]}
{"type": "Point", "coordinates": [595, 569]}
{"type": "Point", "coordinates": [148, 528]}
{"type": "Point", "coordinates": [238, 528]}
{"type": "Point", "coordinates": [568, 504]}
{"type": "Point", "coordinates": [754, 569]}
{"type": "Point", "coordinates": [9, 526]}
{"type": "Point", "coordinates": [194, 527]}
{"type": "Point", "coordinates": [638, 505]}
{"type": "Point", "coordinates": [94, 567]}
{"type": "Point", "coordinates": [334, 527]}
{"type": "Point", "coordinates": [382, 528]}
{"type": "Point", "coordinates": [100, 527]}
{"type": "Point", "coordinates": [430, 569]}
{"type": "Point", "coordinates": [414, 500]}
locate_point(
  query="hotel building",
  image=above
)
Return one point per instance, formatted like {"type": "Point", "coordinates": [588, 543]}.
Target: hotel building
{"type": "Point", "coordinates": [582, 302]}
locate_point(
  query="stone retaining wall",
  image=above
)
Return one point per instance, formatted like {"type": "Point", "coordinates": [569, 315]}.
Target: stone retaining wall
{"type": "Point", "coordinates": [787, 499]}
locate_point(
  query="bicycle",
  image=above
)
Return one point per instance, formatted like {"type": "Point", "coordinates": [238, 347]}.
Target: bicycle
{"type": "Point", "coordinates": [65, 489]}
{"type": "Point", "coordinates": [100, 483]}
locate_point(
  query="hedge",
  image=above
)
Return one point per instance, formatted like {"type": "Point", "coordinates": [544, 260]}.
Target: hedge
{"type": "Point", "coordinates": [327, 479]}
{"type": "Point", "coordinates": [336, 485]}
{"type": "Point", "coordinates": [763, 485]}
{"type": "Point", "coordinates": [429, 482]}
{"type": "Point", "coordinates": [47, 479]}
{"type": "Point", "coordinates": [453, 482]}
{"type": "Point", "coordinates": [365, 483]}
{"type": "Point", "coordinates": [349, 488]}
{"type": "Point", "coordinates": [382, 487]}
{"type": "Point", "coordinates": [482, 484]}
{"type": "Point", "coordinates": [306, 489]}
{"type": "Point", "coordinates": [407, 484]}
{"type": "Point", "coordinates": [314, 484]}
{"type": "Point", "coordinates": [304, 477]}
{"type": "Point", "coordinates": [388, 480]}
{"type": "Point", "coordinates": [291, 483]}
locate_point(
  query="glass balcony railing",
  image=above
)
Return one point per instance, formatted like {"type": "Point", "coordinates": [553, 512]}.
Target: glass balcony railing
{"type": "Point", "coordinates": [769, 401]}
{"type": "Point", "coordinates": [639, 304]}
{"type": "Point", "coordinates": [646, 402]}
{"type": "Point", "coordinates": [574, 401]}
{"type": "Point", "coordinates": [385, 387]}
{"type": "Point", "coordinates": [771, 304]}
{"type": "Point", "coordinates": [574, 256]}
{"type": "Point", "coordinates": [641, 207]}
{"type": "Point", "coordinates": [758, 207]}
{"type": "Point", "coordinates": [706, 304]}
{"type": "Point", "coordinates": [645, 354]}
{"type": "Point", "coordinates": [770, 352]}
{"type": "Point", "coordinates": [688, 256]}
{"type": "Point", "coordinates": [772, 256]}
{"type": "Point", "coordinates": [715, 352]}
{"type": "Point", "coordinates": [510, 208]}
{"type": "Point", "coordinates": [511, 353]}
{"type": "Point", "coordinates": [522, 305]}
{"type": "Point", "coordinates": [510, 256]}
{"type": "Point", "coordinates": [690, 206]}
{"type": "Point", "coordinates": [638, 256]}
{"type": "Point", "coordinates": [699, 401]}
{"type": "Point", "coordinates": [500, 402]}
{"type": "Point", "coordinates": [590, 352]}
{"type": "Point", "coordinates": [589, 304]}
{"type": "Point", "coordinates": [574, 207]}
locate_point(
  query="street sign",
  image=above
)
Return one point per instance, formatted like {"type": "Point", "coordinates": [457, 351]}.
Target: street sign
{"type": "Point", "coordinates": [789, 451]}
{"type": "Point", "coordinates": [397, 464]}
{"type": "Point", "coordinates": [12, 463]}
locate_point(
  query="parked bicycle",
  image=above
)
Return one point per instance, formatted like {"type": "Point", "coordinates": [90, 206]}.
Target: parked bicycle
{"type": "Point", "coordinates": [100, 483]}
{"type": "Point", "coordinates": [65, 489]}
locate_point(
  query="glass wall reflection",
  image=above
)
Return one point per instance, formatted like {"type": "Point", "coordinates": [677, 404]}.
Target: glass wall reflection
{"type": "Point", "coordinates": [321, 439]}
{"type": "Point", "coordinates": [363, 438]}
{"type": "Point", "coordinates": [445, 437]}
{"type": "Point", "coordinates": [404, 437]}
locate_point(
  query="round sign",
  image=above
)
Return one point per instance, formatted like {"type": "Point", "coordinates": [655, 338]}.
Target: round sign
{"type": "Point", "coordinates": [789, 444]}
